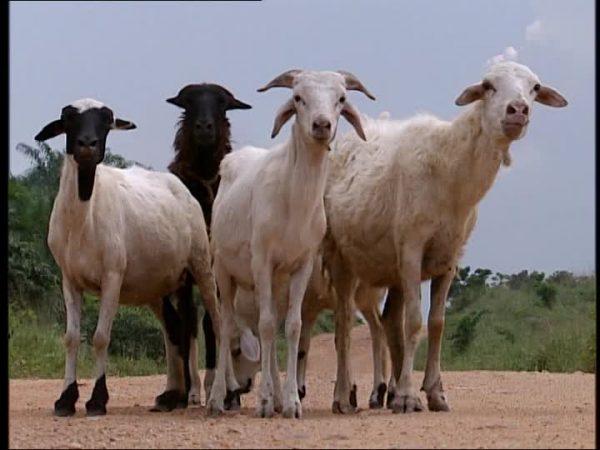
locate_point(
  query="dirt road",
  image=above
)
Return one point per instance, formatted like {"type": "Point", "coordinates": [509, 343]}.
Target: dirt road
{"type": "Point", "coordinates": [489, 410]}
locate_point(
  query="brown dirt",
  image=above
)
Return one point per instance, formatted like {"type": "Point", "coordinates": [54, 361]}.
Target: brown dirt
{"type": "Point", "coordinates": [488, 410]}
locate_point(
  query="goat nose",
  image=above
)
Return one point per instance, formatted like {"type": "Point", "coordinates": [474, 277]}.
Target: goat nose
{"type": "Point", "coordinates": [87, 141]}
{"type": "Point", "coordinates": [321, 124]}
{"type": "Point", "coordinates": [202, 125]}
{"type": "Point", "coordinates": [517, 106]}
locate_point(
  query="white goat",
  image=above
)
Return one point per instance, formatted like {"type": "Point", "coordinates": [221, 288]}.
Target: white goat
{"type": "Point", "coordinates": [400, 209]}
{"type": "Point", "coordinates": [130, 235]}
{"type": "Point", "coordinates": [269, 222]}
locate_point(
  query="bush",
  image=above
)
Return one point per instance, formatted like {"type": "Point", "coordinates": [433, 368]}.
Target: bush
{"type": "Point", "coordinates": [135, 332]}
{"type": "Point", "coordinates": [465, 331]}
{"type": "Point", "coordinates": [547, 294]}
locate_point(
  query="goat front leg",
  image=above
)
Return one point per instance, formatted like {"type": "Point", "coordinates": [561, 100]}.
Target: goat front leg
{"type": "Point", "coordinates": [407, 399]}
{"type": "Point", "coordinates": [298, 282]}
{"type": "Point", "coordinates": [109, 303]}
{"type": "Point", "coordinates": [432, 382]}
{"type": "Point", "coordinates": [263, 288]}
{"type": "Point", "coordinates": [65, 405]}
{"type": "Point", "coordinates": [227, 288]}
{"type": "Point", "coordinates": [345, 286]}
{"type": "Point", "coordinates": [308, 321]}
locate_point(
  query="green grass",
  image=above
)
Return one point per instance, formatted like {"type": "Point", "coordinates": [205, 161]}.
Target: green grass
{"type": "Point", "coordinates": [517, 332]}
{"type": "Point", "coordinates": [36, 350]}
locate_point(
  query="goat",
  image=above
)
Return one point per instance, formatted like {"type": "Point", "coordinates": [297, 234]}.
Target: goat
{"type": "Point", "coordinates": [268, 223]}
{"type": "Point", "coordinates": [401, 207]}
{"type": "Point", "coordinates": [201, 141]}
{"type": "Point", "coordinates": [130, 235]}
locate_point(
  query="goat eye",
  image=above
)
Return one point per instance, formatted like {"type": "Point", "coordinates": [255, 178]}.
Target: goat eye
{"type": "Point", "coordinates": [537, 87]}
{"type": "Point", "coordinates": [297, 98]}
{"type": "Point", "coordinates": [342, 99]}
{"type": "Point", "coordinates": [236, 352]}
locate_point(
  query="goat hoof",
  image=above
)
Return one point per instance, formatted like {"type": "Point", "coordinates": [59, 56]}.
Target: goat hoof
{"type": "Point", "coordinates": [265, 409]}
{"type": "Point", "coordinates": [166, 402]}
{"type": "Point", "coordinates": [377, 396]}
{"type": "Point", "coordinates": [96, 405]}
{"type": "Point", "coordinates": [437, 402]}
{"type": "Point", "coordinates": [293, 411]}
{"type": "Point", "coordinates": [407, 404]}
{"type": "Point", "coordinates": [65, 405]}
{"type": "Point", "coordinates": [302, 392]}
{"type": "Point", "coordinates": [214, 408]}
{"type": "Point", "coordinates": [339, 408]}
{"type": "Point", "coordinates": [390, 399]}
{"type": "Point", "coordinates": [353, 400]}
{"type": "Point", "coordinates": [232, 400]}
{"type": "Point", "coordinates": [94, 409]}
{"type": "Point", "coordinates": [194, 398]}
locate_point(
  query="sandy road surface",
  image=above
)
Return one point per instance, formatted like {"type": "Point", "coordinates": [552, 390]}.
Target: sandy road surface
{"type": "Point", "coordinates": [489, 410]}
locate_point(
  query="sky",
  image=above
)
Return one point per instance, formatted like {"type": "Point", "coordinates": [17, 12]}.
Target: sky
{"type": "Point", "coordinates": [414, 56]}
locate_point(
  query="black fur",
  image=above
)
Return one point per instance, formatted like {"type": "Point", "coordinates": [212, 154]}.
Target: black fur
{"type": "Point", "coordinates": [201, 142]}
{"type": "Point", "coordinates": [96, 405]}
{"type": "Point", "coordinates": [65, 405]}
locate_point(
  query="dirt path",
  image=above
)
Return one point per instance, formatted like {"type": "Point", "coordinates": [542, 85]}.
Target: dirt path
{"type": "Point", "coordinates": [489, 410]}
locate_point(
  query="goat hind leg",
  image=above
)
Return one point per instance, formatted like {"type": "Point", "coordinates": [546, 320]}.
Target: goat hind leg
{"type": "Point", "coordinates": [432, 382]}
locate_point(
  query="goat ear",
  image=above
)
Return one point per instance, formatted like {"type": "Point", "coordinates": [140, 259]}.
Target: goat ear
{"type": "Point", "coordinates": [176, 101]}
{"type": "Point", "coordinates": [354, 84]}
{"type": "Point", "coordinates": [283, 115]}
{"type": "Point", "coordinates": [352, 116]}
{"type": "Point", "coordinates": [51, 130]}
{"type": "Point", "coordinates": [470, 94]}
{"type": "Point", "coordinates": [234, 103]}
{"type": "Point", "coordinates": [120, 124]}
{"type": "Point", "coordinates": [286, 79]}
{"type": "Point", "coordinates": [550, 97]}
{"type": "Point", "coordinates": [249, 345]}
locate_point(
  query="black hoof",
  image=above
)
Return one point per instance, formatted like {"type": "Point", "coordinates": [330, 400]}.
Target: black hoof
{"type": "Point", "coordinates": [94, 409]}
{"type": "Point", "coordinates": [232, 400]}
{"type": "Point", "coordinates": [65, 405]}
{"type": "Point", "coordinates": [378, 403]}
{"type": "Point", "coordinates": [353, 401]}
{"type": "Point", "coordinates": [302, 392]}
{"type": "Point", "coordinates": [96, 405]}
{"type": "Point", "coordinates": [390, 399]}
{"type": "Point", "coordinates": [168, 401]}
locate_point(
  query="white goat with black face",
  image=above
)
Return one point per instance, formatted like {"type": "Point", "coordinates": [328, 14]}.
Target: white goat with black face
{"type": "Point", "coordinates": [130, 235]}
{"type": "Point", "coordinates": [400, 208]}
{"type": "Point", "coordinates": [268, 222]}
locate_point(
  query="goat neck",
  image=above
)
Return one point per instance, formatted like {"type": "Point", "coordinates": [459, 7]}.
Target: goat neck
{"type": "Point", "coordinates": [306, 171]}
{"type": "Point", "coordinates": [67, 199]}
{"type": "Point", "coordinates": [475, 156]}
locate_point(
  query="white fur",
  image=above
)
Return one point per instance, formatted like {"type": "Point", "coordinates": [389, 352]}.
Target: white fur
{"type": "Point", "coordinates": [400, 208]}
{"type": "Point", "coordinates": [84, 104]}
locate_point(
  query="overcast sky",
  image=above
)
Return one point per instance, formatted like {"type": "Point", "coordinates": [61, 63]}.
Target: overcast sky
{"type": "Point", "coordinates": [413, 55]}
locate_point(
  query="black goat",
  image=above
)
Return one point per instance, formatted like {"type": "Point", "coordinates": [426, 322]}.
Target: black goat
{"type": "Point", "coordinates": [201, 142]}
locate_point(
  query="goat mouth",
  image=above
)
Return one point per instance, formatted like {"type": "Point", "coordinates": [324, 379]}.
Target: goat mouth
{"type": "Point", "coordinates": [513, 130]}
{"type": "Point", "coordinates": [322, 138]}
